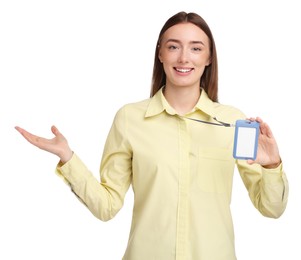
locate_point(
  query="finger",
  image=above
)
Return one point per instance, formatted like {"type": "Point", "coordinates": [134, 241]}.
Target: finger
{"type": "Point", "coordinates": [263, 126]}
{"type": "Point", "coordinates": [19, 129]}
{"type": "Point", "coordinates": [263, 129]}
{"type": "Point", "coordinates": [23, 132]}
{"type": "Point", "coordinates": [31, 138]}
{"type": "Point", "coordinates": [249, 161]}
{"type": "Point", "coordinates": [259, 120]}
{"type": "Point", "coordinates": [252, 119]}
{"type": "Point", "coordinates": [54, 130]}
{"type": "Point", "coordinates": [267, 130]}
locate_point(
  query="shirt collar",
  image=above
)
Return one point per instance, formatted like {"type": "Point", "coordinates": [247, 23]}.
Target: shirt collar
{"type": "Point", "coordinates": [158, 104]}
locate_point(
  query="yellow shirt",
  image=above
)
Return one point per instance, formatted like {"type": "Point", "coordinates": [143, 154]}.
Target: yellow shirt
{"type": "Point", "coordinates": [181, 174]}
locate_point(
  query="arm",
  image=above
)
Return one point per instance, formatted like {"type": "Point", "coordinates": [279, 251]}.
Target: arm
{"type": "Point", "coordinates": [265, 178]}
{"type": "Point", "coordinates": [103, 199]}
{"type": "Point", "coordinates": [267, 188]}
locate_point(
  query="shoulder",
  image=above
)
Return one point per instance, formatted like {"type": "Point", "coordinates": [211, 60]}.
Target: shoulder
{"type": "Point", "coordinates": [133, 110]}
{"type": "Point", "coordinates": [139, 105]}
{"type": "Point", "coordinates": [227, 112]}
{"type": "Point", "coordinates": [223, 112]}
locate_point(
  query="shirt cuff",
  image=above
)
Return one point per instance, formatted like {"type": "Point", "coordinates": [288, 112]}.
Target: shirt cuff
{"type": "Point", "coordinates": [72, 171]}
{"type": "Point", "coordinates": [272, 175]}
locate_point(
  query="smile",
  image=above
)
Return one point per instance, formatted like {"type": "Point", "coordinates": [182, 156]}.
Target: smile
{"type": "Point", "coordinates": [183, 70]}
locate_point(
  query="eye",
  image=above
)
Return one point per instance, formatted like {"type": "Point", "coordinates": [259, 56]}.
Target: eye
{"type": "Point", "coordinates": [196, 49]}
{"type": "Point", "coordinates": [172, 47]}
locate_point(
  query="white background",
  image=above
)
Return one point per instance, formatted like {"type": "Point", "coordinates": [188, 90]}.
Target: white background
{"type": "Point", "coordinates": [74, 63]}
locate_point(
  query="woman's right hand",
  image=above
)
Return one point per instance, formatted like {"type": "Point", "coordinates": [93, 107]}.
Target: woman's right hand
{"type": "Point", "coordinates": [57, 145]}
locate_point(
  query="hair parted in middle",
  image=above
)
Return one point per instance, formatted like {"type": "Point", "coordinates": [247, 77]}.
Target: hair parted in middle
{"type": "Point", "coordinates": [209, 79]}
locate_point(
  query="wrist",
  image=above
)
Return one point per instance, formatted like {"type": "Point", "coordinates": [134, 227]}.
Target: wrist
{"type": "Point", "coordinates": [272, 166]}
{"type": "Point", "coordinates": [66, 156]}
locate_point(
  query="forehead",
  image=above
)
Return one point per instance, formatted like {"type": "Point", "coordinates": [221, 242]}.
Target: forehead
{"type": "Point", "coordinates": [185, 32]}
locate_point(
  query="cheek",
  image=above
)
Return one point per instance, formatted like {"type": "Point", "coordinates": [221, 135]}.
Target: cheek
{"type": "Point", "coordinates": [168, 57]}
{"type": "Point", "coordinates": [201, 61]}
{"type": "Point", "coordinates": [165, 68]}
{"type": "Point", "coordinates": [200, 68]}
{"type": "Point", "coordinates": [163, 56]}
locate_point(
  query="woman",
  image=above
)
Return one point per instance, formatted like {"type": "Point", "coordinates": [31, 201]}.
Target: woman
{"type": "Point", "coordinates": [180, 170]}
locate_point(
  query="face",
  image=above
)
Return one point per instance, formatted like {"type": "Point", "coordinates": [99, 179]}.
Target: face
{"type": "Point", "coordinates": [184, 53]}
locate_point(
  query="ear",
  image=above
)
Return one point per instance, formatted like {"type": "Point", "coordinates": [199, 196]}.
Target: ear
{"type": "Point", "coordinates": [160, 57]}
{"type": "Point", "coordinates": [159, 53]}
{"type": "Point", "coordinates": [208, 61]}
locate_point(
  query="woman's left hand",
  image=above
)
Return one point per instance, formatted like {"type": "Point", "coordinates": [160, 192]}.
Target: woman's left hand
{"type": "Point", "coordinates": [267, 154]}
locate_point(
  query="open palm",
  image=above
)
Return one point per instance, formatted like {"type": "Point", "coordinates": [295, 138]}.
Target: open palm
{"type": "Point", "coordinates": [57, 145]}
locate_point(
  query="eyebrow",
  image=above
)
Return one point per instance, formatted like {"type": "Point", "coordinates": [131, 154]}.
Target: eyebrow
{"type": "Point", "coordinates": [178, 41]}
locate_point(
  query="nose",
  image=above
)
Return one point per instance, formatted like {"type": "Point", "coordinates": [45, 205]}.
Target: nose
{"type": "Point", "coordinates": [183, 56]}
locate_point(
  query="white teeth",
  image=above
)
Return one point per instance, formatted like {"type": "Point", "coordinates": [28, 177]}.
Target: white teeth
{"type": "Point", "coordinates": [183, 70]}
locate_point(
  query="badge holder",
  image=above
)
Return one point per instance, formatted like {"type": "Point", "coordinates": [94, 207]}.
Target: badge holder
{"type": "Point", "coordinates": [246, 140]}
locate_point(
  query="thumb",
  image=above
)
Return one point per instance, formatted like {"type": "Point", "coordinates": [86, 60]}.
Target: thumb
{"type": "Point", "coordinates": [54, 130]}
{"type": "Point", "coordinates": [249, 161]}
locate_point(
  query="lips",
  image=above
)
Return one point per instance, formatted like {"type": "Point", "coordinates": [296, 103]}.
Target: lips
{"type": "Point", "coordinates": [183, 70]}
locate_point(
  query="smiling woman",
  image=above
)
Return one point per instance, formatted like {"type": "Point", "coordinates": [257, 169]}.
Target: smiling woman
{"type": "Point", "coordinates": [181, 170]}
{"type": "Point", "coordinates": [184, 52]}
{"type": "Point", "coordinates": [196, 41]}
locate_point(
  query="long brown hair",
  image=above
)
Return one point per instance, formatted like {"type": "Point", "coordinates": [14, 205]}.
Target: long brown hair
{"type": "Point", "coordinates": [209, 79]}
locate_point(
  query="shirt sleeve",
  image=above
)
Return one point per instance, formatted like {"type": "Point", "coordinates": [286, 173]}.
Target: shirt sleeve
{"type": "Point", "coordinates": [105, 198]}
{"type": "Point", "coordinates": [268, 188]}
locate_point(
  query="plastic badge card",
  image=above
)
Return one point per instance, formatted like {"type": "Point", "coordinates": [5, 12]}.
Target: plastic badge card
{"type": "Point", "coordinates": [246, 140]}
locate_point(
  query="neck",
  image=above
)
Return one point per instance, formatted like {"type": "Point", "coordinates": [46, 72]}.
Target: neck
{"type": "Point", "coordinates": [182, 99]}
